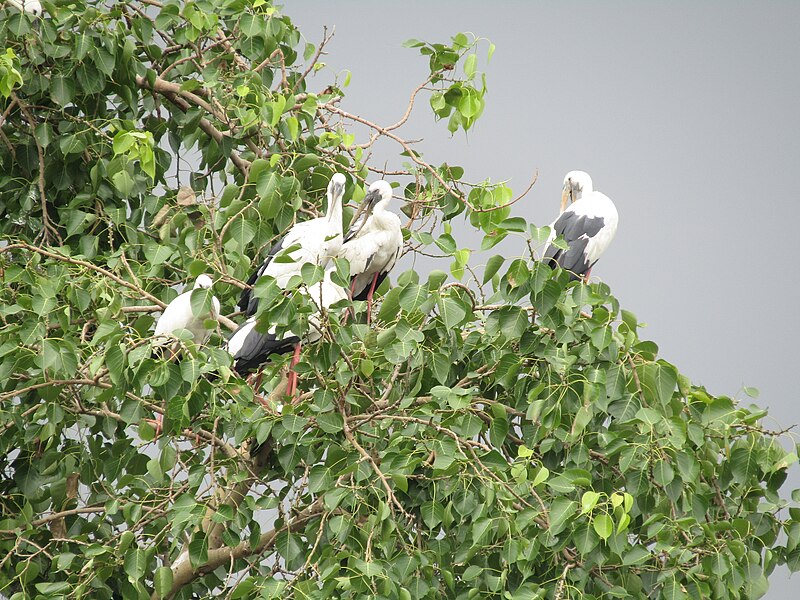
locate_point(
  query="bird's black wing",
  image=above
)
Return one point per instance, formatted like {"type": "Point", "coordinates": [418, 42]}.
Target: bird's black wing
{"type": "Point", "coordinates": [257, 347]}
{"type": "Point", "coordinates": [248, 303]}
{"type": "Point", "coordinates": [576, 230]}
{"type": "Point", "coordinates": [362, 295]}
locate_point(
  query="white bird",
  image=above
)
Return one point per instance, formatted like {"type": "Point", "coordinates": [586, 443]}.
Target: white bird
{"type": "Point", "coordinates": [179, 315]}
{"type": "Point", "coordinates": [314, 241]}
{"type": "Point", "coordinates": [33, 7]}
{"type": "Point", "coordinates": [373, 243]}
{"type": "Point", "coordinates": [250, 348]}
{"type": "Point", "coordinates": [587, 226]}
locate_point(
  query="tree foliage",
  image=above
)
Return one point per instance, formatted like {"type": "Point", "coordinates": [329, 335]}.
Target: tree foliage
{"type": "Point", "coordinates": [496, 432]}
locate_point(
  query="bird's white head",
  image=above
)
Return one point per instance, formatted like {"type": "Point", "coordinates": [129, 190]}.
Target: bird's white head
{"type": "Point", "coordinates": [378, 196]}
{"type": "Point", "coordinates": [33, 7]}
{"type": "Point", "coordinates": [576, 183]}
{"type": "Point", "coordinates": [204, 282]}
{"type": "Point", "coordinates": [337, 180]}
{"type": "Point", "coordinates": [380, 193]}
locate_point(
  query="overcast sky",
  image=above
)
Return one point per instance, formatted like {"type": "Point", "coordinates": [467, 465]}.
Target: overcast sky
{"type": "Point", "coordinates": [686, 115]}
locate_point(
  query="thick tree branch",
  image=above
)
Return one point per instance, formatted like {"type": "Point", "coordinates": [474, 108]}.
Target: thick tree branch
{"type": "Point", "coordinates": [183, 573]}
{"type": "Point", "coordinates": [173, 93]}
{"type": "Point", "coordinates": [233, 497]}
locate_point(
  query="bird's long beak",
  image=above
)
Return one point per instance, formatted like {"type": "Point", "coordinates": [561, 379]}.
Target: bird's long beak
{"type": "Point", "coordinates": [334, 196]}
{"type": "Point", "coordinates": [566, 196]}
{"type": "Point", "coordinates": [366, 206]}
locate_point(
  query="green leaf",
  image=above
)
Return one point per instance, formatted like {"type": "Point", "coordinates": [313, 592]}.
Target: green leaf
{"type": "Point", "coordinates": [201, 301]}
{"type": "Point", "coordinates": [589, 501]}
{"type": "Point", "coordinates": [453, 311]}
{"type": "Point", "coordinates": [561, 512]}
{"type": "Point", "coordinates": [412, 297]}
{"type": "Point", "coordinates": [492, 266]}
{"type": "Point", "coordinates": [603, 525]}
{"type": "Point", "coordinates": [658, 381]}
{"type": "Point", "coordinates": [636, 555]}
{"type": "Point", "coordinates": [672, 590]}
{"type": "Point", "coordinates": [517, 273]}
{"type": "Point", "coordinates": [744, 463]}
{"type": "Point", "coordinates": [470, 66]}
{"type": "Point", "coordinates": [115, 363]}
{"type": "Point", "coordinates": [62, 89]}
{"type": "Point", "coordinates": [198, 550]}
{"type": "Point", "coordinates": [545, 300]}
{"type": "Point", "coordinates": [162, 580]}
{"type": "Point", "coordinates": [123, 182]}
{"type": "Point", "coordinates": [294, 423]}
{"type": "Point", "coordinates": [135, 564]}
{"type": "Point", "coordinates": [541, 476]}
{"type": "Point", "coordinates": [432, 513]}
{"type": "Point", "coordinates": [752, 392]}
{"type": "Point", "coordinates": [649, 416]}
{"type": "Point", "coordinates": [663, 472]}
{"type": "Point", "coordinates": [71, 144]}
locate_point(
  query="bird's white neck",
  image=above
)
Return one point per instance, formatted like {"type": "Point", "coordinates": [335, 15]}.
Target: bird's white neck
{"type": "Point", "coordinates": [334, 212]}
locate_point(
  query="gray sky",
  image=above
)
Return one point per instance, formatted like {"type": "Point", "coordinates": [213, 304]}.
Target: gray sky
{"type": "Point", "coordinates": [685, 114]}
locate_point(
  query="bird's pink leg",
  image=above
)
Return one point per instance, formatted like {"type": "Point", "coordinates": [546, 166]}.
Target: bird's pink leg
{"type": "Point", "coordinates": [291, 378]}
{"type": "Point", "coordinates": [588, 274]}
{"type": "Point", "coordinates": [369, 298]}
{"type": "Point", "coordinates": [157, 424]}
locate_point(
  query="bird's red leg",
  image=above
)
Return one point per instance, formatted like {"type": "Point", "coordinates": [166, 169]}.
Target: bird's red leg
{"type": "Point", "coordinates": [369, 298]}
{"type": "Point", "coordinates": [291, 385]}
{"type": "Point", "coordinates": [588, 274]}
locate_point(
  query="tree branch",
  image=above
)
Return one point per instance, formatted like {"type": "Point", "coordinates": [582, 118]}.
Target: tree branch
{"type": "Point", "coordinates": [48, 228]}
{"type": "Point", "coordinates": [173, 93]}
{"type": "Point", "coordinates": [183, 573]}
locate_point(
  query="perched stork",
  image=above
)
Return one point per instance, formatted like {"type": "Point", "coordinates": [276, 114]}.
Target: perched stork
{"type": "Point", "coordinates": [373, 243]}
{"type": "Point", "coordinates": [33, 7]}
{"type": "Point", "coordinates": [315, 241]}
{"type": "Point", "coordinates": [588, 225]}
{"type": "Point", "coordinates": [250, 348]}
{"type": "Point", "coordinates": [179, 315]}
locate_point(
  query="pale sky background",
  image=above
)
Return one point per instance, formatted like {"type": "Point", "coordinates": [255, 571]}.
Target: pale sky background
{"type": "Point", "coordinates": [686, 114]}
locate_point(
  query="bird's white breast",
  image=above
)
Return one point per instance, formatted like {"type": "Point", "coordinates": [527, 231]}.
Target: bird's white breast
{"type": "Point", "coordinates": [179, 315]}
{"type": "Point", "coordinates": [375, 247]}
{"type": "Point", "coordinates": [319, 240]}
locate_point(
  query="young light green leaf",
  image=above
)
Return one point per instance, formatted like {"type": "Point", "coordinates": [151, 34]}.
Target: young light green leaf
{"type": "Point", "coordinates": [603, 526]}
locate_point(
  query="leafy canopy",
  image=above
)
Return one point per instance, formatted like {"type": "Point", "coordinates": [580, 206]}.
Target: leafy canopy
{"type": "Point", "coordinates": [497, 431]}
